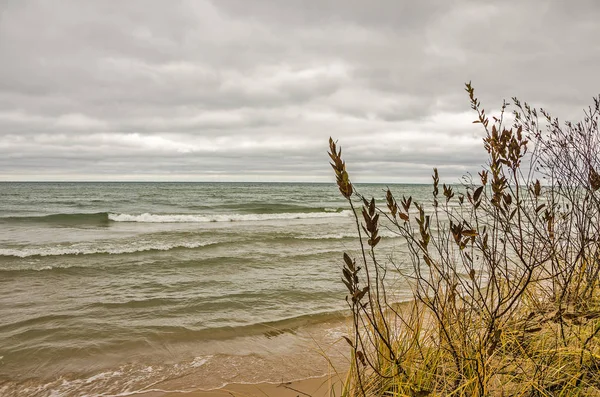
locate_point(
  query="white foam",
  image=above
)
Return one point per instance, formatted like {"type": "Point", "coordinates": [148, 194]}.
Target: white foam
{"type": "Point", "coordinates": [127, 380]}
{"type": "Point", "coordinates": [102, 375]}
{"type": "Point", "coordinates": [112, 250]}
{"type": "Point", "coordinates": [199, 361]}
{"type": "Point", "coordinates": [337, 236]}
{"type": "Point", "coordinates": [196, 218]}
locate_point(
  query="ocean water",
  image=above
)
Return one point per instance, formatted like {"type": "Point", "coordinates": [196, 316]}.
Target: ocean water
{"type": "Point", "coordinates": [115, 288]}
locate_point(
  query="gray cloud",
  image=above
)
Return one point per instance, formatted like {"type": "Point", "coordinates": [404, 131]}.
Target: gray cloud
{"type": "Point", "coordinates": [251, 90]}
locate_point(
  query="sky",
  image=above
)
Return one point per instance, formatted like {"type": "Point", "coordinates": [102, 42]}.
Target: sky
{"type": "Point", "coordinates": [251, 90]}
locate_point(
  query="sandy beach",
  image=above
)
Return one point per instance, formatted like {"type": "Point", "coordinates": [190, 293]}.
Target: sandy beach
{"type": "Point", "coordinates": [314, 387]}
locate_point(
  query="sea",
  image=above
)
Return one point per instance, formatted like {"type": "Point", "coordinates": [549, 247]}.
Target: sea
{"type": "Point", "coordinates": [114, 289]}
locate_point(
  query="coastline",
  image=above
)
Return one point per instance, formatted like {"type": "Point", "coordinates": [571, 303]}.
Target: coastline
{"type": "Point", "coordinates": [320, 369]}
{"type": "Point", "coordinates": [322, 386]}
{"type": "Point", "coordinates": [301, 360]}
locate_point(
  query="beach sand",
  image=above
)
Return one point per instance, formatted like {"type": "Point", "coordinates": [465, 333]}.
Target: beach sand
{"type": "Point", "coordinates": [330, 385]}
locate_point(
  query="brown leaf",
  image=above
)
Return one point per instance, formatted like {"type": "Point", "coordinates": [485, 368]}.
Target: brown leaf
{"type": "Point", "coordinates": [532, 330]}
{"type": "Point", "coordinates": [349, 341]}
{"type": "Point", "coordinates": [367, 218]}
{"type": "Point", "coordinates": [374, 242]}
{"type": "Point", "coordinates": [347, 275]}
{"type": "Point", "coordinates": [477, 193]}
{"type": "Point", "coordinates": [470, 233]}
{"type": "Point", "coordinates": [537, 188]}
{"type": "Point", "coordinates": [348, 261]}
{"type": "Point", "coordinates": [594, 179]}
{"type": "Point", "coordinates": [427, 260]}
{"type": "Point", "coordinates": [361, 358]}
{"type": "Point", "coordinates": [348, 285]}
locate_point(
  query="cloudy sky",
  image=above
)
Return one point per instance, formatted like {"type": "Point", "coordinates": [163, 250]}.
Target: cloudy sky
{"type": "Point", "coordinates": [233, 90]}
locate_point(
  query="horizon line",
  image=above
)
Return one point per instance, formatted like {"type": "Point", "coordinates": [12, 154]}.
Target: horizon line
{"type": "Point", "coordinates": [184, 181]}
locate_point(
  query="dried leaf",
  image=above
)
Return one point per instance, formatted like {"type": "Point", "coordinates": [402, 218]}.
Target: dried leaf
{"type": "Point", "coordinates": [361, 357]}
{"type": "Point", "coordinates": [477, 193]}
{"type": "Point", "coordinates": [349, 341]}
{"type": "Point", "coordinates": [470, 233]}
{"type": "Point", "coordinates": [347, 275]}
{"type": "Point", "coordinates": [349, 286]}
{"type": "Point", "coordinates": [537, 188]}
{"type": "Point", "coordinates": [348, 261]}
{"type": "Point", "coordinates": [374, 242]}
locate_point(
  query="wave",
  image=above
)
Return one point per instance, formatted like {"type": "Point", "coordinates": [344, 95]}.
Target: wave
{"type": "Point", "coordinates": [98, 218]}
{"type": "Point", "coordinates": [345, 235]}
{"type": "Point", "coordinates": [268, 328]}
{"type": "Point", "coordinates": [71, 250]}
{"type": "Point", "coordinates": [196, 218]}
{"type": "Point", "coordinates": [262, 208]}
{"type": "Point", "coordinates": [105, 218]}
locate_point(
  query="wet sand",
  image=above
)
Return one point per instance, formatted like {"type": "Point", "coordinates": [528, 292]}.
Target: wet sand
{"type": "Point", "coordinates": [325, 386]}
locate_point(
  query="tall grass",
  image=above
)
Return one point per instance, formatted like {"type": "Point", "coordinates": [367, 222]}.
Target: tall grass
{"type": "Point", "coordinates": [504, 271]}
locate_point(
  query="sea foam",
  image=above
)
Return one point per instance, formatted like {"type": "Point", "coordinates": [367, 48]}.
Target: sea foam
{"type": "Point", "coordinates": [111, 250]}
{"type": "Point", "coordinates": [195, 218]}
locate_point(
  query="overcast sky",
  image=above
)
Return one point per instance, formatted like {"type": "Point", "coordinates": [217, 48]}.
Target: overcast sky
{"type": "Point", "coordinates": [234, 90]}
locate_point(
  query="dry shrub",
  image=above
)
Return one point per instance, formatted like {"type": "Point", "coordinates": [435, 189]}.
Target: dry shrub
{"type": "Point", "coordinates": [504, 273]}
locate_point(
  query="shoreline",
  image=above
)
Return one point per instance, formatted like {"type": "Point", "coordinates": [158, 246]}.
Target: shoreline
{"type": "Point", "coordinates": [256, 365]}
{"type": "Point", "coordinates": [320, 386]}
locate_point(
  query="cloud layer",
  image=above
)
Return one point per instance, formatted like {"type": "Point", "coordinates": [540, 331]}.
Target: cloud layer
{"type": "Point", "coordinates": [251, 90]}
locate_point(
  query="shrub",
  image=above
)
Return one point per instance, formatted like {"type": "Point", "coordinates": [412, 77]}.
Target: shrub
{"type": "Point", "coordinates": [504, 270]}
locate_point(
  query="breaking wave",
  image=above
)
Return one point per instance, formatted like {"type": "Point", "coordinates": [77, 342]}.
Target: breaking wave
{"type": "Point", "coordinates": [104, 218]}
{"type": "Point", "coordinates": [196, 218]}
{"type": "Point", "coordinates": [74, 250]}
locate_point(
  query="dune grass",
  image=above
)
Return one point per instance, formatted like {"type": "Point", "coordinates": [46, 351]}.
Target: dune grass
{"type": "Point", "coordinates": [504, 271]}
